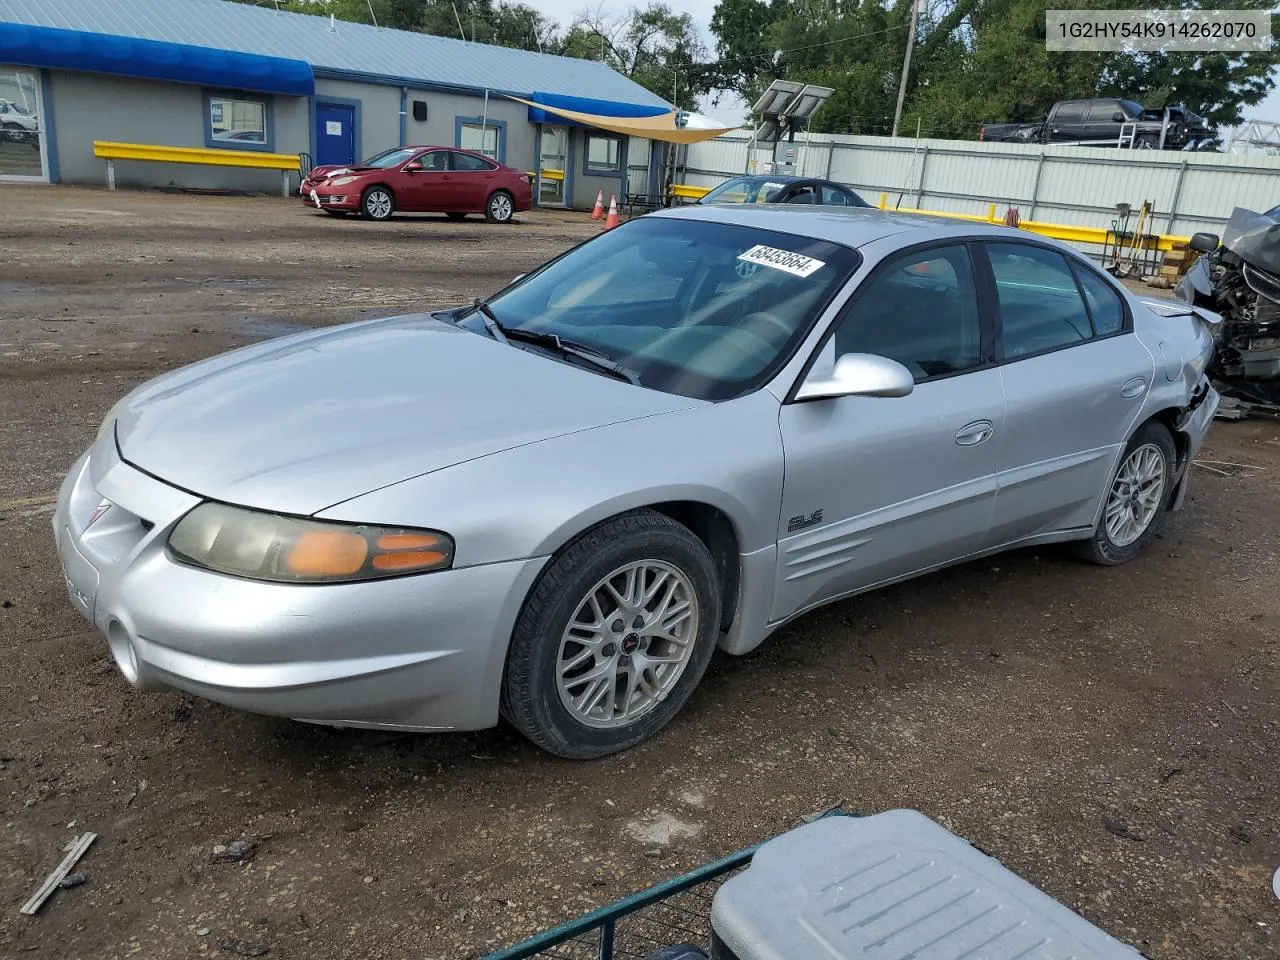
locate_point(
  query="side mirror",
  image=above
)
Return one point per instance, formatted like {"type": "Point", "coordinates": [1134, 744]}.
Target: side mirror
{"type": "Point", "coordinates": [413, 166]}
{"type": "Point", "coordinates": [1117, 117]}
{"type": "Point", "coordinates": [860, 375]}
{"type": "Point", "coordinates": [1204, 242]}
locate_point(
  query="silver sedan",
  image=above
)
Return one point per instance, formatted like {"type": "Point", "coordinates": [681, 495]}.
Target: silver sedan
{"type": "Point", "coordinates": [555, 504]}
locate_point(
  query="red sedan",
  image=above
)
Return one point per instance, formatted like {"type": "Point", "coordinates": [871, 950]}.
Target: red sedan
{"type": "Point", "coordinates": [420, 180]}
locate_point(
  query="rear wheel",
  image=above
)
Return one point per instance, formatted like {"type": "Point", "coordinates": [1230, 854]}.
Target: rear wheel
{"type": "Point", "coordinates": [1136, 499]}
{"type": "Point", "coordinates": [500, 208]}
{"type": "Point", "coordinates": [613, 638]}
{"type": "Point", "coordinates": [377, 204]}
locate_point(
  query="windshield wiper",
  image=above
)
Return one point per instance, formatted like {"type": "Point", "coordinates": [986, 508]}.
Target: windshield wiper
{"type": "Point", "coordinates": [491, 323]}
{"type": "Point", "coordinates": [568, 348]}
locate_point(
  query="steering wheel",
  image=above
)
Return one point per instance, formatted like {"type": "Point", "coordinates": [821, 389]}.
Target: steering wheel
{"type": "Point", "coordinates": [767, 327]}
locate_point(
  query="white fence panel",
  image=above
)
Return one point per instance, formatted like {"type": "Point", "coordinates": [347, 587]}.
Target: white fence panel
{"type": "Point", "coordinates": [1070, 185]}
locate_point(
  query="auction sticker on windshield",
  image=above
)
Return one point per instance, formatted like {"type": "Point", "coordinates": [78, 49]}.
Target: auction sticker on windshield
{"type": "Point", "coordinates": [794, 263]}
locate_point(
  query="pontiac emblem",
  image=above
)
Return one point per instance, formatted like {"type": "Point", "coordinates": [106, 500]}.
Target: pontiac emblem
{"type": "Point", "coordinates": [98, 511]}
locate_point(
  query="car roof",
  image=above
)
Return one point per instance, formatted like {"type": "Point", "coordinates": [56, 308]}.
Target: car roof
{"type": "Point", "coordinates": [775, 177]}
{"type": "Point", "coordinates": [847, 226]}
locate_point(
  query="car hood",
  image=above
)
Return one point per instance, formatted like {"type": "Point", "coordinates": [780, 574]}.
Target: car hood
{"type": "Point", "coordinates": [304, 422]}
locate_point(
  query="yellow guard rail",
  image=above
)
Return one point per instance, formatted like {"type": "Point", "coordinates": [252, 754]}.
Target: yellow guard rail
{"type": "Point", "coordinates": [112, 151]}
{"type": "Point", "coordinates": [686, 191]}
{"type": "Point", "coordinates": [1058, 231]}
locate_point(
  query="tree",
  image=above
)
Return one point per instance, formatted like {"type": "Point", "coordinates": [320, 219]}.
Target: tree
{"type": "Point", "coordinates": [655, 46]}
{"type": "Point", "coordinates": [974, 61]}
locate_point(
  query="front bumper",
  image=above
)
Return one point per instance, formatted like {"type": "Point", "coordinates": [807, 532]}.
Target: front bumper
{"type": "Point", "coordinates": [331, 200]}
{"type": "Point", "coordinates": [421, 652]}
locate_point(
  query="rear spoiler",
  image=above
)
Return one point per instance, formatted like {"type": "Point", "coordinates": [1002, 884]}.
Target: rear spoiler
{"type": "Point", "coordinates": [1171, 308]}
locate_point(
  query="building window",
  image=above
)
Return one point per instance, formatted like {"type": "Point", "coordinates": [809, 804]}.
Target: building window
{"type": "Point", "coordinates": [481, 135]}
{"type": "Point", "coordinates": [604, 155]}
{"type": "Point", "coordinates": [480, 139]}
{"type": "Point", "coordinates": [237, 122]}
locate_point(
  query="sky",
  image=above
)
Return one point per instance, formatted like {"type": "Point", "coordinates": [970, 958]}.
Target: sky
{"type": "Point", "coordinates": [732, 108]}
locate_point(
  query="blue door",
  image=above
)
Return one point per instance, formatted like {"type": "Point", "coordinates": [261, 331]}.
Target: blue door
{"type": "Point", "coordinates": [335, 134]}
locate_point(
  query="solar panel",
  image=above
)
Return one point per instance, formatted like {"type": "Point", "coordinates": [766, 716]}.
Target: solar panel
{"type": "Point", "coordinates": [779, 94]}
{"type": "Point", "coordinates": [806, 102]}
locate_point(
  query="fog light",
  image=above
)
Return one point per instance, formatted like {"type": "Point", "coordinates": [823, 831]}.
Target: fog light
{"type": "Point", "coordinates": [122, 652]}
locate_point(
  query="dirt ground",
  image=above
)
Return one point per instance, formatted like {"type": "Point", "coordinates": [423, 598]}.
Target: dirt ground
{"type": "Point", "coordinates": [1111, 735]}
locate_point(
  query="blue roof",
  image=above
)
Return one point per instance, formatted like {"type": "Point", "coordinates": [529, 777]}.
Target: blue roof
{"type": "Point", "coordinates": [347, 48]}
{"type": "Point", "coordinates": [153, 59]}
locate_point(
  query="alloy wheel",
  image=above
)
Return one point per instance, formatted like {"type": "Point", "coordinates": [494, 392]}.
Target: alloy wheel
{"type": "Point", "coordinates": [1136, 495]}
{"type": "Point", "coordinates": [500, 207]}
{"type": "Point", "coordinates": [627, 643]}
{"type": "Point", "coordinates": [378, 204]}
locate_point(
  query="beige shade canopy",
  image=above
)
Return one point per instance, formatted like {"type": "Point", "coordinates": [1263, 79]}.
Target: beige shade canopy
{"type": "Point", "coordinates": [662, 127]}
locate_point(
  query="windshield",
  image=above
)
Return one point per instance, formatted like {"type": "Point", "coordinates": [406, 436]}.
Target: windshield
{"type": "Point", "coordinates": [390, 158]}
{"type": "Point", "coordinates": [744, 190]}
{"type": "Point", "coordinates": [705, 310]}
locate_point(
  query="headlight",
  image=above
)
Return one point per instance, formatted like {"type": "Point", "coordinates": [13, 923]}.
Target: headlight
{"type": "Point", "coordinates": [263, 546]}
{"type": "Point", "coordinates": [341, 181]}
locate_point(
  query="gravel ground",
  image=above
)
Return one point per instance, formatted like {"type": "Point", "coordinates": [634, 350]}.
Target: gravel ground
{"type": "Point", "coordinates": [1111, 735]}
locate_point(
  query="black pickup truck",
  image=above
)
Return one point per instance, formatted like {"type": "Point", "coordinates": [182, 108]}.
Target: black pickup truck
{"type": "Point", "coordinates": [1102, 122]}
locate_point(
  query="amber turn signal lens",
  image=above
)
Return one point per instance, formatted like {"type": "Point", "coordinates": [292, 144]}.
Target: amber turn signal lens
{"type": "Point", "coordinates": [327, 554]}
{"type": "Point", "coordinates": [406, 561]}
{"type": "Point", "coordinates": [407, 541]}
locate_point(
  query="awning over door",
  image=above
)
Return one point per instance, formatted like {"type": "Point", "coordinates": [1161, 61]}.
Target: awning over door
{"type": "Point", "coordinates": [59, 49]}
{"type": "Point", "coordinates": [630, 119]}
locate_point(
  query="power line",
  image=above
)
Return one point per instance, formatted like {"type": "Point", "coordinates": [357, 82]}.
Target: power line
{"type": "Point", "coordinates": [807, 46]}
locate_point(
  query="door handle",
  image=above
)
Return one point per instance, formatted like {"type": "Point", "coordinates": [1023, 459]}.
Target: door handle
{"type": "Point", "coordinates": [975, 432]}
{"type": "Point", "coordinates": [1134, 388]}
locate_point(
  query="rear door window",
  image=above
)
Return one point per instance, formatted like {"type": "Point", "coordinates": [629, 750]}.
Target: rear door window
{"type": "Point", "coordinates": [466, 162]}
{"type": "Point", "coordinates": [1103, 111]}
{"type": "Point", "coordinates": [1041, 308]}
{"type": "Point", "coordinates": [1105, 306]}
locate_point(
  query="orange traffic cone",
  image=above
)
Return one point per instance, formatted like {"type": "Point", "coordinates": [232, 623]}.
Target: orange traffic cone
{"type": "Point", "coordinates": [612, 220]}
{"type": "Point", "coordinates": [598, 212]}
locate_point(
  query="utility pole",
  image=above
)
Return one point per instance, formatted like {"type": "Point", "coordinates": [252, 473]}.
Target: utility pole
{"type": "Point", "coordinates": [906, 67]}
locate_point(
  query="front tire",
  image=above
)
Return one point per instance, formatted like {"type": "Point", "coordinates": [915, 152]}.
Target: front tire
{"type": "Point", "coordinates": [500, 207]}
{"type": "Point", "coordinates": [1137, 498]}
{"type": "Point", "coordinates": [377, 203]}
{"type": "Point", "coordinates": [613, 638]}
